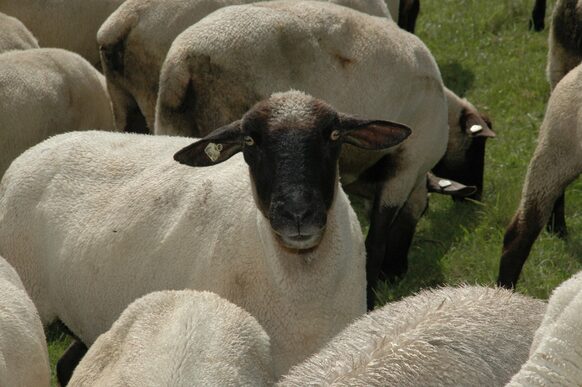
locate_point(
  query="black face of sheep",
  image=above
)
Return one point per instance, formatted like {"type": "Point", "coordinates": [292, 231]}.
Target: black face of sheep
{"type": "Point", "coordinates": [467, 168]}
{"type": "Point", "coordinates": [292, 144]}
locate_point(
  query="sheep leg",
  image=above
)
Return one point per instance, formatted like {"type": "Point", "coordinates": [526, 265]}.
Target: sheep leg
{"type": "Point", "coordinates": [538, 14]}
{"type": "Point", "coordinates": [543, 188]}
{"type": "Point", "coordinates": [557, 223]}
{"type": "Point", "coordinates": [69, 361]}
{"type": "Point", "coordinates": [401, 233]}
{"type": "Point", "coordinates": [381, 219]}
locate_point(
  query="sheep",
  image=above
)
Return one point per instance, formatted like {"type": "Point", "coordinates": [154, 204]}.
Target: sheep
{"type": "Point", "coordinates": [465, 336]}
{"type": "Point", "coordinates": [283, 243]}
{"type": "Point", "coordinates": [45, 92]}
{"type": "Point", "coordinates": [565, 40]}
{"type": "Point", "coordinates": [134, 41]}
{"type": "Point", "coordinates": [538, 15]}
{"type": "Point", "coordinates": [14, 35]}
{"type": "Point", "coordinates": [465, 157]}
{"type": "Point", "coordinates": [67, 24]}
{"type": "Point", "coordinates": [555, 358]}
{"type": "Point", "coordinates": [23, 352]}
{"type": "Point", "coordinates": [556, 162]}
{"type": "Point", "coordinates": [223, 64]}
{"type": "Point", "coordinates": [179, 338]}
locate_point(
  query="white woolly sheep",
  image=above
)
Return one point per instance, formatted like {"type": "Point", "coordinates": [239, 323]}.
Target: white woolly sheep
{"type": "Point", "coordinates": [135, 39]}
{"type": "Point", "coordinates": [220, 66]}
{"type": "Point", "coordinates": [285, 244]}
{"type": "Point", "coordinates": [565, 40]}
{"type": "Point", "coordinates": [23, 352]}
{"type": "Point", "coordinates": [68, 24]}
{"type": "Point", "coordinates": [14, 35]}
{"type": "Point", "coordinates": [555, 357]}
{"type": "Point", "coordinates": [466, 336]}
{"type": "Point", "coordinates": [179, 338]}
{"type": "Point", "coordinates": [46, 92]}
{"type": "Point", "coordinates": [556, 162]}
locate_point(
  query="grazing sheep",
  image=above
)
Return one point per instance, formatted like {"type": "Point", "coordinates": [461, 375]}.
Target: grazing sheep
{"type": "Point", "coordinates": [179, 338]}
{"type": "Point", "coordinates": [135, 39]}
{"type": "Point", "coordinates": [68, 24]}
{"type": "Point", "coordinates": [565, 40]}
{"type": "Point", "coordinates": [46, 92]}
{"type": "Point", "coordinates": [556, 162]}
{"type": "Point", "coordinates": [220, 66]}
{"type": "Point", "coordinates": [467, 336]}
{"type": "Point", "coordinates": [23, 353]}
{"type": "Point", "coordinates": [555, 357]}
{"type": "Point", "coordinates": [464, 160]}
{"type": "Point", "coordinates": [281, 241]}
{"type": "Point", "coordinates": [538, 15]}
{"type": "Point", "coordinates": [14, 35]}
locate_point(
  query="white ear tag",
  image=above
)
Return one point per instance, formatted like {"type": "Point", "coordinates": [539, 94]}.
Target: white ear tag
{"type": "Point", "coordinates": [213, 150]}
{"type": "Point", "coordinates": [444, 183]}
{"type": "Point", "coordinates": [476, 129]}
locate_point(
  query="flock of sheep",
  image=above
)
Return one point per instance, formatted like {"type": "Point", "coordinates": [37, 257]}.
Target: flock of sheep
{"type": "Point", "coordinates": [216, 246]}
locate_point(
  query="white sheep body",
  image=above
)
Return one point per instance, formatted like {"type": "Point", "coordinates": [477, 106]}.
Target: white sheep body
{"type": "Point", "coordinates": [179, 338]}
{"type": "Point", "coordinates": [47, 92]}
{"type": "Point", "coordinates": [141, 33]}
{"type": "Point", "coordinates": [555, 358]}
{"type": "Point", "coordinates": [333, 53]}
{"type": "Point", "coordinates": [564, 48]}
{"type": "Point", "coordinates": [67, 24]}
{"type": "Point", "coordinates": [15, 35]}
{"type": "Point", "coordinates": [84, 256]}
{"type": "Point", "coordinates": [466, 336]}
{"type": "Point", "coordinates": [23, 352]}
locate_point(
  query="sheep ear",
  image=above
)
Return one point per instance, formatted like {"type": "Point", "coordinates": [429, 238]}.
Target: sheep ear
{"type": "Point", "coordinates": [477, 125]}
{"type": "Point", "coordinates": [218, 146]}
{"type": "Point", "coordinates": [448, 187]}
{"type": "Point", "coordinates": [372, 134]}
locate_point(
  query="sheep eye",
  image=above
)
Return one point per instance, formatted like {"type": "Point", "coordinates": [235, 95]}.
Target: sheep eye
{"type": "Point", "coordinates": [335, 135]}
{"type": "Point", "coordinates": [249, 141]}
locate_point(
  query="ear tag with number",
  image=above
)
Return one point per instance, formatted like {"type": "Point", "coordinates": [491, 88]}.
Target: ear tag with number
{"type": "Point", "coordinates": [213, 150]}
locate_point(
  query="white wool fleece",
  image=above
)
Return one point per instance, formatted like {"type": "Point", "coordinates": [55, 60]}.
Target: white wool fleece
{"type": "Point", "coordinates": [179, 339]}
{"type": "Point", "coordinates": [14, 35]}
{"type": "Point", "coordinates": [94, 220]}
{"type": "Point", "coordinates": [466, 336]}
{"type": "Point", "coordinates": [23, 352]}
{"type": "Point", "coordinates": [46, 92]}
{"type": "Point", "coordinates": [68, 24]}
{"type": "Point", "coordinates": [146, 30]}
{"type": "Point", "coordinates": [556, 353]}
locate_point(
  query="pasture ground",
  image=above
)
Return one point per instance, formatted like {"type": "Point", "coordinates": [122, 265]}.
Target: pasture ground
{"type": "Point", "coordinates": [487, 55]}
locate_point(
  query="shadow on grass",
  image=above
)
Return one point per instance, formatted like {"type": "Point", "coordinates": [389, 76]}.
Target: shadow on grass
{"type": "Point", "coordinates": [456, 77]}
{"type": "Point", "coordinates": [438, 232]}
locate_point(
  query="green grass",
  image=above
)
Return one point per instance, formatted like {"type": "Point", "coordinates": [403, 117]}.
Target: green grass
{"type": "Point", "coordinates": [486, 54]}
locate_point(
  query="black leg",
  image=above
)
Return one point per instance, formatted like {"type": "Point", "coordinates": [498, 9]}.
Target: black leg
{"type": "Point", "coordinates": [69, 361]}
{"type": "Point", "coordinates": [557, 223]}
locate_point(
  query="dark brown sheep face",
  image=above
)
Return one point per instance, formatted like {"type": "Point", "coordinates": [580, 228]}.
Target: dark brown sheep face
{"type": "Point", "coordinates": [291, 143]}
{"type": "Point", "coordinates": [464, 160]}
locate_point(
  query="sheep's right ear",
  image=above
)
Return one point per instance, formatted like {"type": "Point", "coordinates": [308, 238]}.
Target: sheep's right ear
{"type": "Point", "coordinates": [372, 134]}
{"type": "Point", "coordinates": [218, 146]}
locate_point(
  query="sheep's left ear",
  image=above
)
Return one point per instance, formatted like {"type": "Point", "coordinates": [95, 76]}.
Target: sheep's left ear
{"type": "Point", "coordinates": [477, 125]}
{"type": "Point", "coordinates": [216, 147]}
{"type": "Point", "coordinates": [372, 134]}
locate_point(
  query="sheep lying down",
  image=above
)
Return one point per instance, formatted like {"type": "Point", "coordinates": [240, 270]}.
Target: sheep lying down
{"type": "Point", "coordinates": [179, 338]}
{"type": "Point", "coordinates": [466, 336]}
{"type": "Point", "coordinates": [270, 230]}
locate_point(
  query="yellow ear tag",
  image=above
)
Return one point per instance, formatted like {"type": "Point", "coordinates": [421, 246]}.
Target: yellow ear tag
{"type": "Point", "coordinates": [213, 150]}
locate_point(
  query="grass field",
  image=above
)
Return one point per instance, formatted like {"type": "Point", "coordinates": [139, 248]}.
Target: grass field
{"type": "Point", "coordinates": [486, 54]}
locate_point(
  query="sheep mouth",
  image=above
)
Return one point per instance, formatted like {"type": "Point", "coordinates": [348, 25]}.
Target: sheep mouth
{"type": "Point", "coordinates": [300, 242]}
